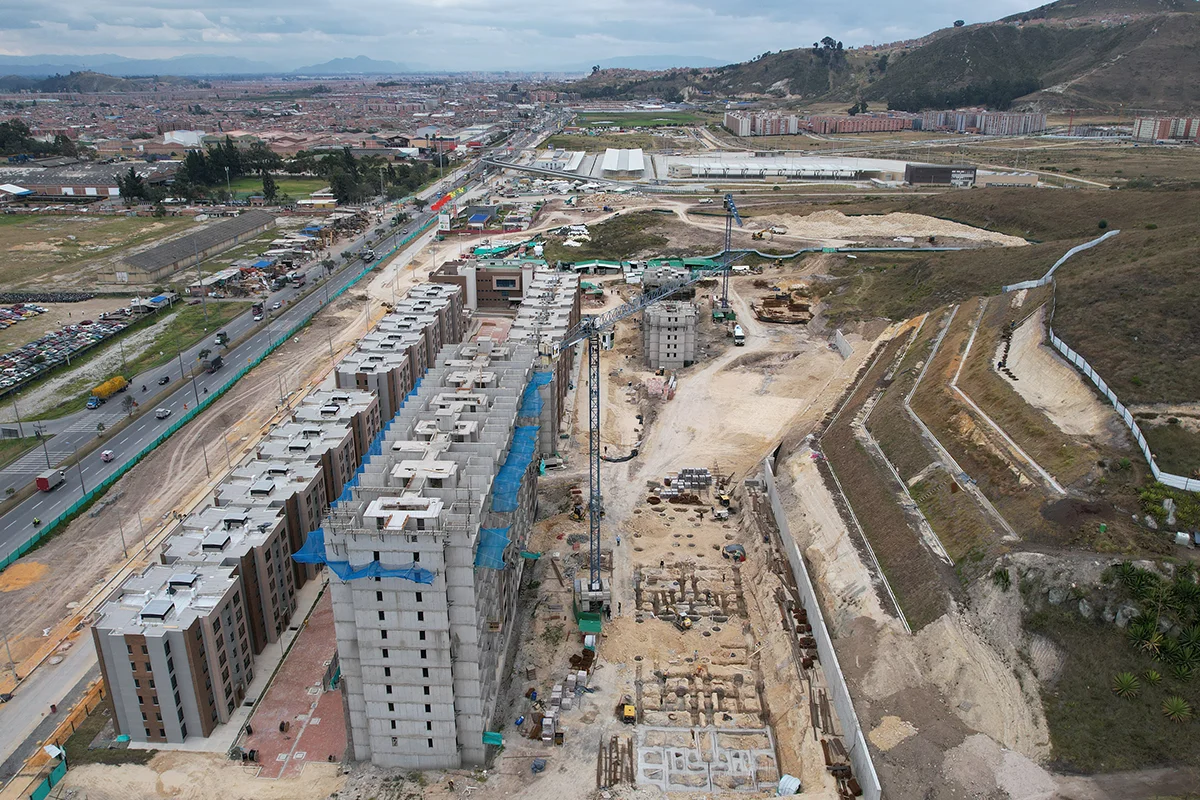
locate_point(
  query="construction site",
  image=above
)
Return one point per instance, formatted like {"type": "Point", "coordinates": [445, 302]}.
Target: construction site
{"type": "Point", "coordinates": [685, 535]}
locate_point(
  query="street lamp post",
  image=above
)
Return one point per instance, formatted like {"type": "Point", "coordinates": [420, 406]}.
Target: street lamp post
{"type": "Point", "coordinates": [40, 430]}
{"type": "Point", "coordinates": [79, 466]}
{"type": "Point", "coordinates": [17, 411]}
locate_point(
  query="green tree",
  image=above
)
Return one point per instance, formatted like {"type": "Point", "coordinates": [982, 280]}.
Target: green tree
{"type": "Point", "coordinates": [1176, 709]}
{"type": "Point", "coordinates": [132, 186]}
{"type": "Point", "coordinates": [269, 188]}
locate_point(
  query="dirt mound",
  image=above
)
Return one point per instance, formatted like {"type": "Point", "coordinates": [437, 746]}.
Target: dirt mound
{"type": "Point", "coordinates": [836, 225]}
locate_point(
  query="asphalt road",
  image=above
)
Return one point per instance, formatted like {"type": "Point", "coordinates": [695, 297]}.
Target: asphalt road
{"type": "Point", "coordinates": [17, 525]}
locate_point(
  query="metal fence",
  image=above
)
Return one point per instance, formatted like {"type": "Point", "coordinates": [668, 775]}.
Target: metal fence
{"type": "Point", "coordinates": [208, 400]}
{"type": "Point", "coordinates": [1049, 276]}
{"type": "Point", "coordinates": [860, 756]}
{"type": "Point", "coordinates": [1080, 363]}
{"type": "Point", "coordinates": [1175, 481]}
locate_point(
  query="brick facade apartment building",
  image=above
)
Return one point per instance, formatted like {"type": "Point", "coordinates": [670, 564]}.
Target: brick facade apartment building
{"type": "Point", "coordinates": [1159, 129]}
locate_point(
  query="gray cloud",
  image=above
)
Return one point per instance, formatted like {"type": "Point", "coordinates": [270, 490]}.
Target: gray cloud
{"type": "Point", "coordinates": [468, 34]}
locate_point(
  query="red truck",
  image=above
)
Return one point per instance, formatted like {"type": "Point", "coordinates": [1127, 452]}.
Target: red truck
{"type": "Point", "coordinates": [51, 479]}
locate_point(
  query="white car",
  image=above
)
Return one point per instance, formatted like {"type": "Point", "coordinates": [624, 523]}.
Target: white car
{"type": "Point", "coordinates": [276, 305]}
{"type": "Point", "coordinates": [107, 456]}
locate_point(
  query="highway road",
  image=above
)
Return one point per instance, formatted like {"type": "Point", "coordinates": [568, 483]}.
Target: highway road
{"type": "Point", "coordinates": [17, 525]}
{"type": "Point", "coordinates": [20, 717]}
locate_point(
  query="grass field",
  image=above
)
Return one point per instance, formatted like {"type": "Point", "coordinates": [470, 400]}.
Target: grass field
{"type": "Point", "coordinates": [186, 328]}
{"type": "Point", "coordinates": [12, 449]}
{"type": "Point", "coordinates": [601, 142]}
{"type": "Point", "coordinates": [1128, 306]}
{"type": "Point", "coordinates": [648, 119]}
{"type": "Point", "coordinates": [78, 753]}
{"type": "Point", "coordinates": [617, 239]}
{"type": "Point", "coordinates": [39, 248]}
{"type": "Point", "coordinates": [1122, 163]}
{"type": "Point", "coordinates": [1093, 730]}
{"type": "Point", "coordinates": [295, 187]}
{"type": "Point", "coordinates": [1175, 448]}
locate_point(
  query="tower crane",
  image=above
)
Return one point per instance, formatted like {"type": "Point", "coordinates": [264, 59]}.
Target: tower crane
{"type": "Point", "coordinates": [589, 329]}
{"type": "Point", "coordinates": [731, 214]}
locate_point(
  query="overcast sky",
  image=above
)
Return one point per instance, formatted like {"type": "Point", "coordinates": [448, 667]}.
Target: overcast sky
{"type": "Point", "coordinates": [468, 34]}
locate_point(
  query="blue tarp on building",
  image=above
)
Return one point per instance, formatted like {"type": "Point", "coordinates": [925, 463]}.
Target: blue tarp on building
{"type": "Point", "coordinates": [531, 401]}
{"type": "Point", "coordinates": [313, 552]}
{"type": "Point", "coordinates": [508, 480]}
{"type": "Point", "coordinates": [490, 550]}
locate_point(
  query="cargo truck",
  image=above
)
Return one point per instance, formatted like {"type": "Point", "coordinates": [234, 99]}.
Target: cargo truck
{"type": "Point", "coordinates": [739, 336]}
{"type": "Point", "coordinates": [51, 479]}
{"type": "Point", "coordinates": [213, 364]}
{"type": "Point", "coordinates": [110, 387]}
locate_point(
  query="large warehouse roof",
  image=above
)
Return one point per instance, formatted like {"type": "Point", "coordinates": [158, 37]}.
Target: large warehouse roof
{"type": "Point", "coordinates": [623, 160]}
{"type": "Point", "coordinates": [748, 165]}
{"type": "Point", "coordinates": [212, 236]}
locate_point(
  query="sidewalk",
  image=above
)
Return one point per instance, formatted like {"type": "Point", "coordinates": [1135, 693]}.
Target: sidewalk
{"type": "Point", "coordinates": [316, 725]}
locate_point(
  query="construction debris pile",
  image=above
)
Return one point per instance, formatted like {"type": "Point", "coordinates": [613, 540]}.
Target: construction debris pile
{"type": "Point", "coordinates": [789, 307]}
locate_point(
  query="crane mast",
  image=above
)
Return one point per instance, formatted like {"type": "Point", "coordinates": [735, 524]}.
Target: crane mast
{"type": "Point", "coordinates": [589, 330]}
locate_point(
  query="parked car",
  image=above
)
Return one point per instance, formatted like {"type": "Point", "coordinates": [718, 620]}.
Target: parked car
{"type": "Point", "coordinates": [162, 413]}
{"type": "Point", "coordinates": [107, 456]}
{"type": "Point", "coordinates": [164, 380]}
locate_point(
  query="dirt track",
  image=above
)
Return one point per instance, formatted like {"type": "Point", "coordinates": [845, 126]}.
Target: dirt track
{"type": "Point", "coordinates": [1053, 386]}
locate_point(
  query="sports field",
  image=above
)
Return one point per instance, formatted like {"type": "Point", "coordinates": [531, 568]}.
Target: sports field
{"type": "Point", "coordinates": [297, 188]}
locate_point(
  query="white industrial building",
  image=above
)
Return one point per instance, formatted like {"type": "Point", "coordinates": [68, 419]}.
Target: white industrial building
{"type": "Point", "coordinates": [560, 160]}
{"type": "Point", "coordinates": [623, 163]}
{"type": "Point", "coordinates": [766, 166]}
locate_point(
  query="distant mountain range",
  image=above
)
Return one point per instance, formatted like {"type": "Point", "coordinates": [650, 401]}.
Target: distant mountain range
{"type": "Point", "coordinates": [196, 65]}
{"type": "Point", "coordinates": [355, 66]}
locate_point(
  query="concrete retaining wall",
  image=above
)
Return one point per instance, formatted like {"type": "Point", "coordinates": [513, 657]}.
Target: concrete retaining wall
{"type": "Point", "coordinates": [839, 693]}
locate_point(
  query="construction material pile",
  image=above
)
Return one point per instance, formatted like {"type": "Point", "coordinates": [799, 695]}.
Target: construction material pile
{"type": "Point", "coordinates": [791, 307]}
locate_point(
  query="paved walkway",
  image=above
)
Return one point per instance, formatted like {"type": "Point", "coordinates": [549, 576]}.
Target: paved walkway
{"type": "Point", "coordinates": [316, 724]}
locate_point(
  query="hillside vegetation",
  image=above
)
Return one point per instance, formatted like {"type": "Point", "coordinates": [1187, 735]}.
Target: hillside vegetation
{"type": "Point", "coordinates": [1144, 63]}
{"type": "Point", "coordinates": [1128, 306]}
{"type": "Point", "coordinates": [74, 82]}
{"type": "Point", "coordinates": [1101, 55]}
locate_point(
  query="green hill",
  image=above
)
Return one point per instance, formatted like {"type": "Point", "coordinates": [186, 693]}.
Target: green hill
{"type": "Point", "coordinates": [1146, 63]}
{"type": "Point", "coordinates": [1102, 55]}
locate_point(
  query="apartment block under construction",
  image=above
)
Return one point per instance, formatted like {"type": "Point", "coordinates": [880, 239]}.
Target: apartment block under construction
{"type": "Point", "coordinates": [427, 544]}
{"type": "Point", "coordinates": [392, 358]}
{"type": "Point", "coordinates": [550, 310]}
